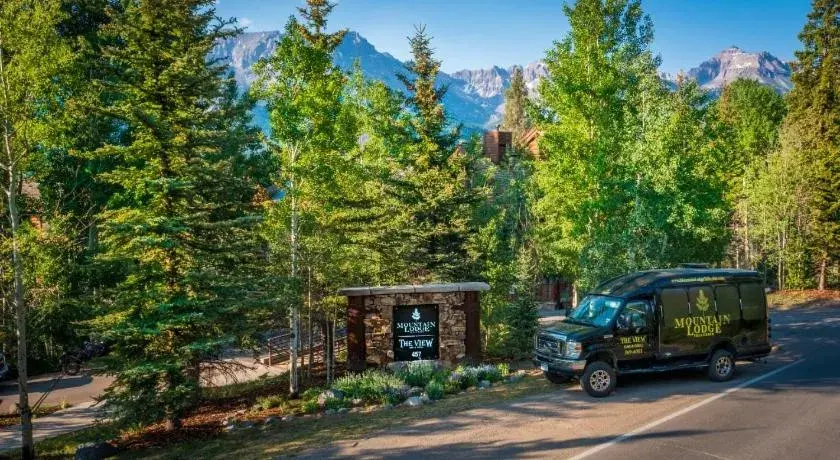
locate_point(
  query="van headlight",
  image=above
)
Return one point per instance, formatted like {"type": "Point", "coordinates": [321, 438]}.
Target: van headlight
{"type": "Point", "coordinates": [573, 349]}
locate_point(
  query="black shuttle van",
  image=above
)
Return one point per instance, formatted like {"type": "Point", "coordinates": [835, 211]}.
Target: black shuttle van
{"type": "Point", "coordinates": [655, 321]}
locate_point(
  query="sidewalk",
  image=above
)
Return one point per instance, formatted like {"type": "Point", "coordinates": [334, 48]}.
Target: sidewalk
{"type": "Point", "coordinates": [65, 421]}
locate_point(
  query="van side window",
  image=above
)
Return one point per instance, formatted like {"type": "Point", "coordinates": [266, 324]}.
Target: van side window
{"type": "Point", "coordinates": [728, 302]}
{"type": "Point", "coordinates": [702, 301]}
{"type": "Point", "coordinates": [674, 303]}
{"type": "Point", "coordinates": [752, 300]}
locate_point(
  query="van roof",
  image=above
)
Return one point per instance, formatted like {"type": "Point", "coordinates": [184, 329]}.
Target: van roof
{"type": "Point", "coordinates": [645, 282]}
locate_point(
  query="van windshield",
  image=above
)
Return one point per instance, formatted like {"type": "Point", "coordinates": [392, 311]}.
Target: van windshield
{"type": "Point", "coordinates": [595, 310]}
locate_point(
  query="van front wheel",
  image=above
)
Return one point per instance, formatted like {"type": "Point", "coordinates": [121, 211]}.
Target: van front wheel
{"type": "Point", "coordinates": [598, 379]}
{"type": "Point", "coordinates": [722, 366]}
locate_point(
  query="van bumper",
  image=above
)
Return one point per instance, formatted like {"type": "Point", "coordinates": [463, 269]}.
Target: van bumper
{"type": "Point", "coordinates": [562, 366]}
{"type": "Point", "coordinates": [754, 352]}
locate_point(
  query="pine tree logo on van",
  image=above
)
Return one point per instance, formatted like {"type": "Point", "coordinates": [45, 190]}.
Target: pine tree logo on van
{"type": "Point", "coordinates": [702, 302]}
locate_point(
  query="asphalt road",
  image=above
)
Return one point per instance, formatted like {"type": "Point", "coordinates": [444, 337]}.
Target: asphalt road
{"type": "Point", "coordinates": [788, 407]}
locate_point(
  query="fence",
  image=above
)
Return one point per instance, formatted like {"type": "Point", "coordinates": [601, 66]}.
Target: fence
{"type": "Point", "coordinates": [278, 347]}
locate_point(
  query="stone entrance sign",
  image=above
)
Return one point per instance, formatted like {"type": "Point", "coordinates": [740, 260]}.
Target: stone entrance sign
{"type": "Point", "coordinates": [413, 322]}
{"type": "Point", "coordinates": [415, 332]}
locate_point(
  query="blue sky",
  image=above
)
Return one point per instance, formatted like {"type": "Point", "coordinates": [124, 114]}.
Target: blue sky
{"type": "Point", "coordinates": [471, 34]}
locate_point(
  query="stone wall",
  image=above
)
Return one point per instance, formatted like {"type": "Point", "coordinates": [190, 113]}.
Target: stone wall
{"type": "Point", "coordinates": [379, 339]}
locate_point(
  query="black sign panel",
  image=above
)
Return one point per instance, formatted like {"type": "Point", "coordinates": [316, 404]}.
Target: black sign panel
{"type": "Point", "coordinates": [415, 332]}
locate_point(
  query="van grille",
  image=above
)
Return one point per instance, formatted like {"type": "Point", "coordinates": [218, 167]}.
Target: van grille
{"type": "Point", "coordinates": [550, 344]}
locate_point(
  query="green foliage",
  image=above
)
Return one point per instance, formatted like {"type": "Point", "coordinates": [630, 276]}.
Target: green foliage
{"type": "Point", "coordinates": [813, 123]}
{"type": "Point", "coordinates": [417, 374]}
{"type": "Point", "coordinates": [269, 402]}
{"type": "Point", "coordinates": [182, 221]}
{"type": "Point", "coordinates": [371, 386]}
{"type": "Point", "coordinates": [631, 174]}
{"type": "Point", "coordinates": [434, 390]}
{"type": "Point", "coordinates": [311, 394]}
{"type": "Point", "coordinates": [336, 403]}
{"type": "Point", "coordinates": [436, 202]}
{"type": "Point", "coordinates": [310, 407]}
{"type": "Point", "coordinates": [516, 119]}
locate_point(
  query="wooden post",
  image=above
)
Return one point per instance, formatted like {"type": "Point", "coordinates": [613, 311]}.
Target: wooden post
{"type": "Point", "coordinates": [472, 341]}
{"type": "Point", "coordinates": [356, 352]}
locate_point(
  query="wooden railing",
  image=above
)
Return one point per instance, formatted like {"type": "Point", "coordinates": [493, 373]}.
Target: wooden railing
{"type": "Point", "coordinates": [278, 347]}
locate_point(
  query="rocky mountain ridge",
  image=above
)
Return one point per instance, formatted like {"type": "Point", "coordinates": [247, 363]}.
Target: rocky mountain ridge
{"type": "Point", "coordinates": [476, 97]}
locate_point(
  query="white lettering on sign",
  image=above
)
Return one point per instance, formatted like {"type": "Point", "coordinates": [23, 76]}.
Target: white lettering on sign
{"type": "Point", "coordinates": [416, 327]}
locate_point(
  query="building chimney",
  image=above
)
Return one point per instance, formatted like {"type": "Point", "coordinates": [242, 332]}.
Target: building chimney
{"type": "Point", "coordinates": [496, 144]}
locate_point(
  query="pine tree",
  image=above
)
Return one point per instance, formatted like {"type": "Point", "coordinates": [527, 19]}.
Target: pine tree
{"type": "Point", "coordinates": [435, 190]}
{"type": "Point", "coordinates": [31, 57]}
{"type": "Point", "coordinates": [182, 220]}
{"type": "Point", "coordinates": [516, 99]}
{"type": "Point", "coordinates": [815, 106]}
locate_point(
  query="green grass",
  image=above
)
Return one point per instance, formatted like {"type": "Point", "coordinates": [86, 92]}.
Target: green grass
{"type": "Point", "coordinates": [292, 437]}
{"type": "Point", "coordinates": [64, 446]}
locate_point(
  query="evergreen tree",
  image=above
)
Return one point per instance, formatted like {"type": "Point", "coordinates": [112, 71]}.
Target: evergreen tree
{"type": "Point", "coordinates": [815, 107]}
{"type": "Point", "coordinates": [31, 57]}
{"type": "Point", "coordinates": [182, 220]}
{"type": "Point", "coordinates": [436, 175]}
{"type": "Point", "coordinates": [516, 100]}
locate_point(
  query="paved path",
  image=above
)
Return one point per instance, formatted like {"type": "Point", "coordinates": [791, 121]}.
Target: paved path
{"type": "Point", "coordinates": [80, 392]}
{"type": "Point", "coordinates": [72, 419]}
{"type": "Point", "coordinates": [788, 407]}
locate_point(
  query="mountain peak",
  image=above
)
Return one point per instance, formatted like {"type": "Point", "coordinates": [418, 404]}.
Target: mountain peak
{"type": "Point", "coordinates": [734, 63]}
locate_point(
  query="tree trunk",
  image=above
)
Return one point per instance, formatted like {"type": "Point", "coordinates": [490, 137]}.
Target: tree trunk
{"type": "Point", "coordinates": [309, 319]}
{"type": "Point", "coordinates": [28, 446]}
{"type": "Point", "coordinates": [294, 320]}
{"type": "Point", "coordinates": [823, 264]}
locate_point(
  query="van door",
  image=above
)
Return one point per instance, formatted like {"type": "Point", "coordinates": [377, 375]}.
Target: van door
{"type": "Point", "coordinates": [674, 321]}
{"type": "Point", "coordinates": [705, 326]}
{"type": "Point", "coordinates": [753, 314]}
{"type": "Point", "coordinates": [635, 333]}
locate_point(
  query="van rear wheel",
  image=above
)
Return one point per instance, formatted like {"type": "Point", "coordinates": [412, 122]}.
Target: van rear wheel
{"type": "Point", "coordinates": [598, 379]}
{"type": "Point", "coordinates": [722, 366]}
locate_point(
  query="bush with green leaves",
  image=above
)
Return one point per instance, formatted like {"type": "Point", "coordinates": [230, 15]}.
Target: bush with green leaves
{"type": "Point", "coordinates": [371, 386]}
{"type": "Point", "coordinates": [310, 407]}
{"type": "Point", "coordinates": [335, 403]}
{"type": "Point", "coordinates": [435, 390]}
{"type": "Point", "coordinates": [269, 402]}
{"type": "Point", "coordinates": [311, 394]}
{"type": "Point", "coordinates": [418, 373]}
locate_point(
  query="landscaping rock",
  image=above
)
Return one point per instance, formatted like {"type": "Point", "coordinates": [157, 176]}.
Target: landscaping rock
{"type": "Point", "coordinates": [329, 394]}
{"type": "Point", "coordinates": [95, 451]}
{"type": "Point", "coordinates": [484, 384]}
{"type": "Point", "coordinates": [425, 398]}
{"type": "Point", "coordinates": [247, 424]}
{"type": "Point", "coordinates": [270, 420]}
{"type": "Point", "coordinates": [357, 402]}
{"type": "Point", "coordinates": [415, 391]}
{"type": "Point", "coordinates": [414, 401]}
{"type": "Point", "coordinates": [286, 418]}
{"type": "Point", "coordinates": [404, 391]}
{"type": "Point", "coordinates": [514, 378]}
{"type": "Point", "coordinates": [329, 412]}
{"type": "Point", "coordinates": [387, 406]}
{"type": "Point", "coordinates": [343, 410]}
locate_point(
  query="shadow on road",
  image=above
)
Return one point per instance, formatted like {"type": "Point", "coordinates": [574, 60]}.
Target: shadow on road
{"type": "Point", "coordinates": [44, 385]}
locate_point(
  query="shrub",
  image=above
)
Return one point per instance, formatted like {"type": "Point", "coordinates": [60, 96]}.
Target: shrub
{"type": "Point", "coordinates": [310, 407]}
{"type": "Point", "coordinates": [269, 402]}
{"type": "Point", "coordinates": [417, 374]}
{"type": "Point", "coordinates": [434, 390]}
{"type": "Point", "coordinates": [371, 386]}
{"type": "Point", "coordinates": [504, 369]}
{"type": "Point", "coordinates": [335, 403]}
{"type": "Point", "coordinates": [311, 394]}
{"type": "Point", "coordinates": [469, 376]}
